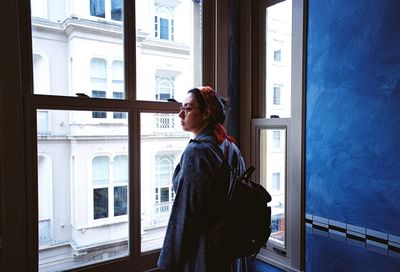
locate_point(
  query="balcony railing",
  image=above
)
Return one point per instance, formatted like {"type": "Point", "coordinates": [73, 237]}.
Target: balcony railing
{"type": "Point", "coordinates": [165, 121]}
{"type": "Point", "coordinates": [163, 208]}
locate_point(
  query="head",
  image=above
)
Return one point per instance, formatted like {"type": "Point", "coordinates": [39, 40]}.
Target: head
{"type": "Point", "coordinates": [202, 108]}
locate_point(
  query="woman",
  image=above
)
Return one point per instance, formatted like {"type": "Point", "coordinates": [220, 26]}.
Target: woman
{"type": "Point", "coordinates": [200, 183]}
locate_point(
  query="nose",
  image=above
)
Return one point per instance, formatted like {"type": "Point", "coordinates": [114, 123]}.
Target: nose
{"type": "Point", "coordinates": [181, 114]}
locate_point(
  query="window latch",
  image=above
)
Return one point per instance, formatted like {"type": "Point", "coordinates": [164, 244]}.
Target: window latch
{"type": "Point", "coordinates": [82, 95]}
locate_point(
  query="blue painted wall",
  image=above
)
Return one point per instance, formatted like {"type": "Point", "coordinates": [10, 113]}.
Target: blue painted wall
{"type": "Point", "coordinates": [353, 130]}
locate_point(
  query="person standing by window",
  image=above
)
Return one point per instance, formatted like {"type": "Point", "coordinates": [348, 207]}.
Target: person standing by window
{"type": "Point", "coordinates": [201, 185]}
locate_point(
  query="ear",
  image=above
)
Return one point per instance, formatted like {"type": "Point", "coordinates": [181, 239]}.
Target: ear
{"type": "Point", "coordinates": [206, 114]}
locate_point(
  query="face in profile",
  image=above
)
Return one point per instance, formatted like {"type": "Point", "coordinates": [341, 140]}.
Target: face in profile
{"type": "Point", "coordinates": [193, 119]}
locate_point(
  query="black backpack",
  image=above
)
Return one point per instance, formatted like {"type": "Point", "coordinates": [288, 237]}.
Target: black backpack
{"type": "Point", "coordinates": [244, 223]}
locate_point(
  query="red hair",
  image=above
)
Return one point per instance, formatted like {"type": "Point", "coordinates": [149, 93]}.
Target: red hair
{"type": "Point", "coordinates": [216, 106]}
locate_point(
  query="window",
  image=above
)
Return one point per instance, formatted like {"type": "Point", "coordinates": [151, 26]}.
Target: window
{"type": "Point", "coordinates": [116, 10]}
{"type": "Point", "coordinates": [45, 200]}
{"type": "Point", "coordinates": [118, 86]}
{"type": "Point", "coordinates": [276, 139]}
{"type": "Point", "coordinates": [277, 126]}
{"type": "Point", "coordinates": [101, 86]}
{"type": "Point", "coordinates": [277, 55]}
{"type": "Point", "coordinates": [97, 8]}
{"type": "Point", "coordinates": [164, 87]}
{"type": "Point", "coordinates": [79, 143]}
{"type": "Point", "coordinates": [120, 179]}
{"type": "Point", "coordinates": [277, 95]}
{"type": "Point", "coordinates": [164, 193]}
{"type": "Point", "coordinates": [100, 186]}
{"type": "Point", "coordinates": [276, 181]}
{"type": "Point", "coordinates": [43, 123]}
{"type": "Point", "coordinates": [99, 83]}
{"type": "Point", "coordinates": [107, 9]}
{"type": "Point", "coordinates": [164, 28]}
{"type": "Point", "coordinates": [109, 187]}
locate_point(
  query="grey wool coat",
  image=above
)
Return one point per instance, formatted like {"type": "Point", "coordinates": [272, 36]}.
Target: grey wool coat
{"type": "Point", "coordinates": [200, 186]}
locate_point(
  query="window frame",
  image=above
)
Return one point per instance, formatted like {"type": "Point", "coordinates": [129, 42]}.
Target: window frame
{"type": "Point", "coordinates": [111, 218]}
{"type": "Point", "coordinates": [294, 258]}
{"type": "Point", "coordinates": [19, 220]}
{"type": "Point", "coordinates": [108, 12]}
{"type": "Point", "coordinates": [170, 31]}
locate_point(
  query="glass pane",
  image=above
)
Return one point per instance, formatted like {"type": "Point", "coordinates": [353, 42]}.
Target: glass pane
{"type": "Point", "coordinates": [120, 200]}
{"type": "Point", "coordinates": [278, 59]}
{"type": "Point", "coordinates": [273, 177]}
{"type": "Point", "coordinates": [76, 46]}
{"type": "Point", "coordinates": [161, 143]}
{"type": "Point", "coordinates": [168, 47]}
{"type": "Point", "coordinates": [120, 169]}
{"type": "Point", "coordinates": [100, 203]}
{"type": "Point", "coordinates": [100, 170]}
{"type": "Point", "coordinates": [82, 189]}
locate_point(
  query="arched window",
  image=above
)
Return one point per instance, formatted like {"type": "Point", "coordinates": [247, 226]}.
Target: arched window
{"type": "Point", "coordinates": [110, 186]}
{"type": "Point", "coordinates": [164, 23]}
{"type": "Point", "coordinates": [164, 193]}
{"type": "Point", "coordinates": [164, 87]}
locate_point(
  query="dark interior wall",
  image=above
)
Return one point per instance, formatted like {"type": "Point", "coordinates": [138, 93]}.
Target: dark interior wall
{"type": "Point", "coordinates": [353, 135]}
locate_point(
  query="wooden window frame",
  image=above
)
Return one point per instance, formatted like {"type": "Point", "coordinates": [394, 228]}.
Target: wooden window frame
{"type": "Point", "coordinates": [18, 215]}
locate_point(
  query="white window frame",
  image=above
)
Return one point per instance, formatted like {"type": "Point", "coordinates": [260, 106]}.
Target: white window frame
{"type": "Point", "coordinates": [111, 219]}
{"type": "Point", "coordinates": [289, 257]}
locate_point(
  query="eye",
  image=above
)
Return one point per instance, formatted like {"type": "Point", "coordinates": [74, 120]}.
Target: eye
{"type": "Point", "coordinates": [186, 109]}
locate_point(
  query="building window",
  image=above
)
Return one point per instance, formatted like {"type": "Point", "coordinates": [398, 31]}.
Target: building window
{"type": "Point", "coordinates": [278, 55]}
{"type": "Point", "coordinates": [276, 139]}
{"type": "Point", "coordinates": [99, 83]}
{"type": "Point", "coordinates": [164, 27]}
{"type": "Point", "coordinates": [164, 87]}
{"type": "Point", "coordinates": [277, 95]}
{"type": "Point", "coordinates": [120, 182]}
{"type": "Point", "coordinates": [118, 86]}
{"type": "Point", "coordinates": [97, 8]}
{"type": "Point", "coordinates": [45, 173]}
{"type": "Point", "coordinates": [164, 192]}
{"type": "Point", "coordinates": [276, 181]}
{"type": "Point", "coordinates": [116, 10]}
{"type": "Point", "coordinates": [107, 9]}
{"type": "Point", "coordinates": [109, 186]}
{"type": "Point", "coordinates": [100, 167]}
{"type": "Point", "coordinates": [43, 123]}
